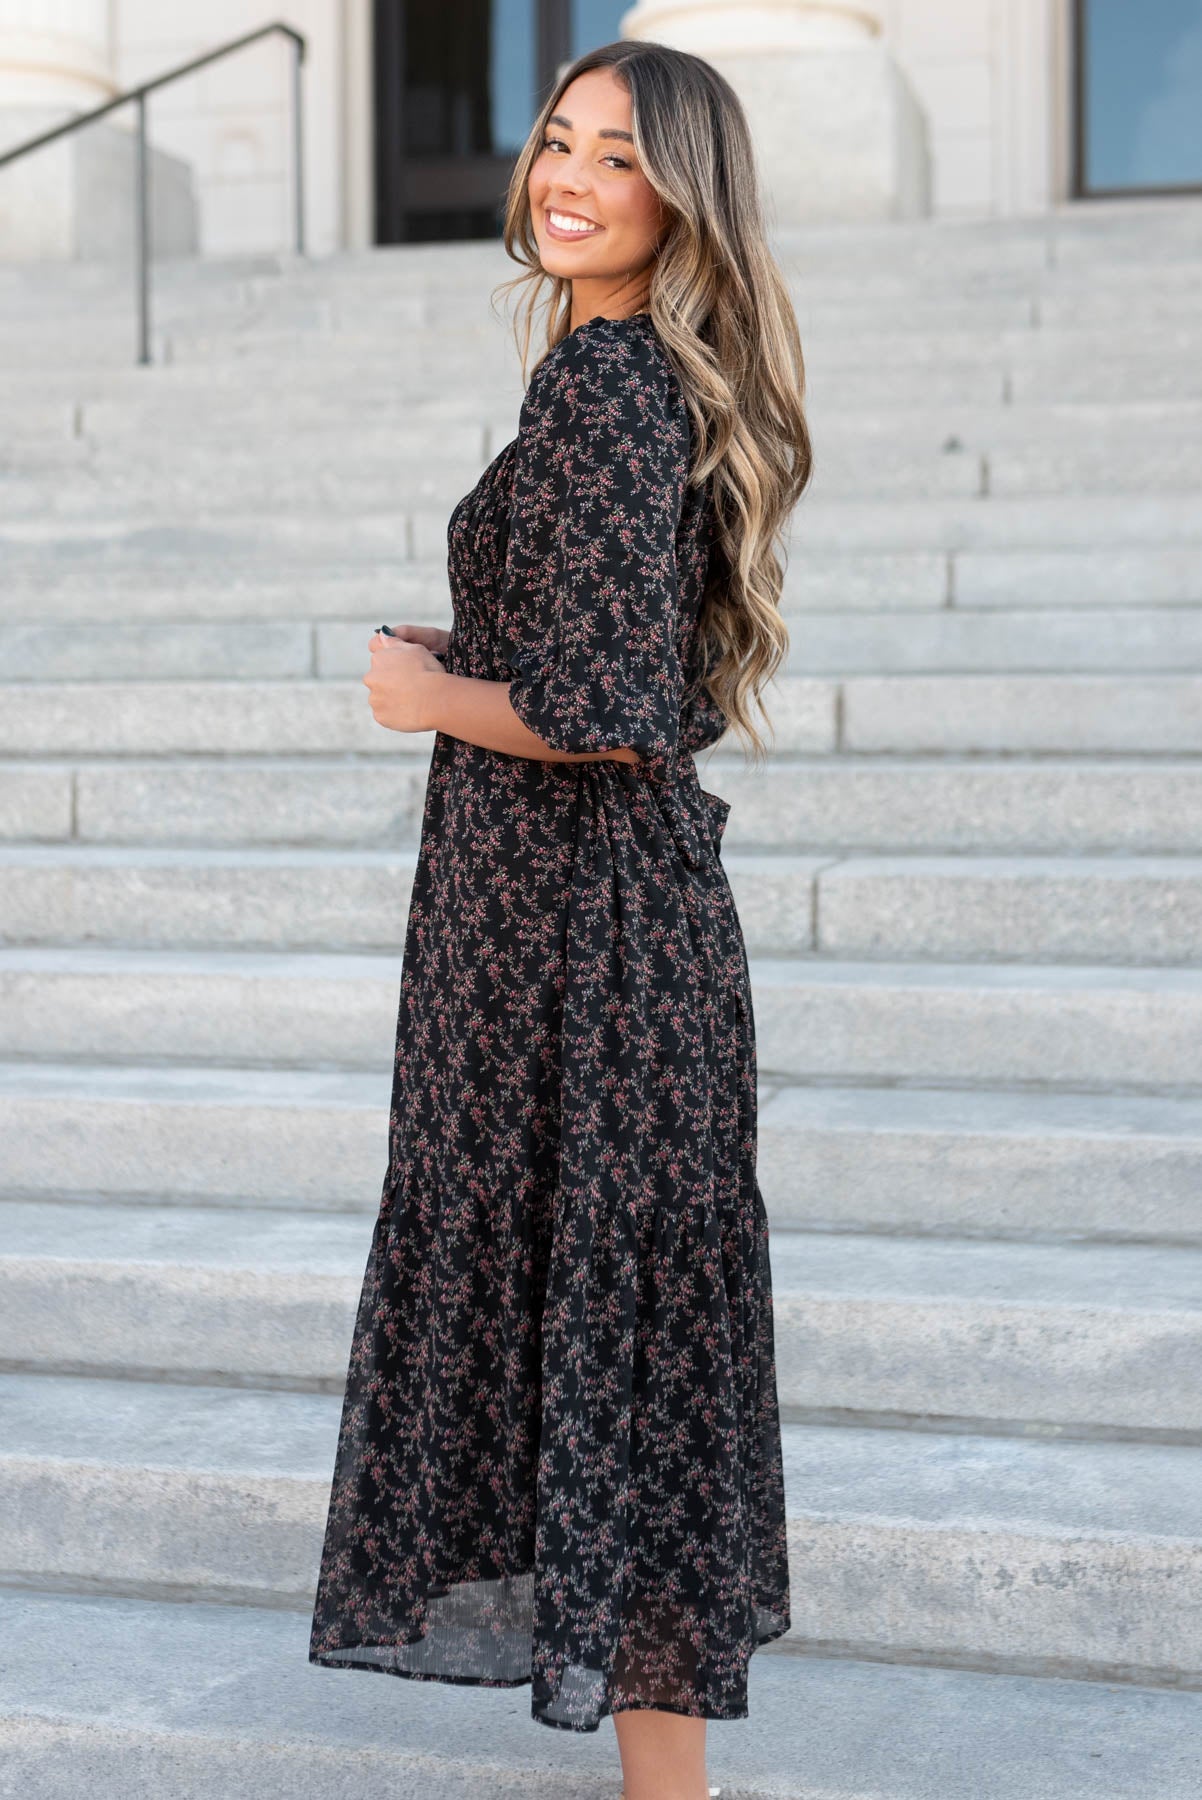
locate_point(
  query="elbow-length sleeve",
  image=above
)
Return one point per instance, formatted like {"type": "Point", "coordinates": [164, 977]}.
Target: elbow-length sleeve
{"type": "Point", "coordinates": [588, 611]}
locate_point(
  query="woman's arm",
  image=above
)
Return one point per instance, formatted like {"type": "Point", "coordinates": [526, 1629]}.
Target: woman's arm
{"type": "Point", "coordinates": [411, 691]}
{"type": "Point", "coordinates": [481, 712]}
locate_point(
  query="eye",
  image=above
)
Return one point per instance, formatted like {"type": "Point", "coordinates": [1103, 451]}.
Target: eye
{"type": "Point", "coordinates": [610, 156]}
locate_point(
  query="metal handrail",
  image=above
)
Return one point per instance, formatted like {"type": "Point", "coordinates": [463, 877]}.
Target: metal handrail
{"type": "Point", "coordinates": [142, 172]}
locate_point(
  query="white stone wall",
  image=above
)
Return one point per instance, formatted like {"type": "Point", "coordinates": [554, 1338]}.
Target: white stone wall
{"type": "Point", "coordinates": [989, 74]}
{"type": "Point", "coordinates": [992, 78]}
{"type": "Point", "coordinates": [985, 71]}
{"type": "Point", "coordinates": [232, 121]}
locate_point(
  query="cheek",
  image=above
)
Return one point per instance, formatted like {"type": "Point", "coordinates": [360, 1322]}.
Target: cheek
{"type": "Point", "coordinates": [642, 216]}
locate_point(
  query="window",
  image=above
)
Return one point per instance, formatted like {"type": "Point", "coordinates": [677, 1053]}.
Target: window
{"type": "Point", "coordinates": [1139, 96]}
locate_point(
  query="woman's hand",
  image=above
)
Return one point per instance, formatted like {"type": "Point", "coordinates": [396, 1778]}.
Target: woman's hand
{"type": "Point", "coordinates": [405, 676]}
{"type": "Point", "coordinates": [432, 636]}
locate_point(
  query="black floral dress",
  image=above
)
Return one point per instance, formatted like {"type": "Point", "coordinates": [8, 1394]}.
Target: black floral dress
{"type": "Point", "coordinates": [560, 1459]}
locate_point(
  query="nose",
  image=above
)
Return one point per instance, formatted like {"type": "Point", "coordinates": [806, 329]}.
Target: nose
{"type": "Point", "coordinates": [568, 177]}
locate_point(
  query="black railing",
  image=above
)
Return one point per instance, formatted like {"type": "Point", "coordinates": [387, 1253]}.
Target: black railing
{"type": "Point", "coordinates": [142, 165]}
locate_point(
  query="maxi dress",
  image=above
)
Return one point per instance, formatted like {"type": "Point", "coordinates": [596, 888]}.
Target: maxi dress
{"type": "Point", "coordinates": [559, 1459]}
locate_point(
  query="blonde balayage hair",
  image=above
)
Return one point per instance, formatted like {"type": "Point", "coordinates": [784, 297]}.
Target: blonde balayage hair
{"type": "Point", "coordinates": [722, 309]}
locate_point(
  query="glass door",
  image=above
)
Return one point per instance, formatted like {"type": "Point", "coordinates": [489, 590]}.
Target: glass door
{"type": "Point", "coordinates": [1139, 97]}
{"type": "Point", "coordinates": [456, 90]}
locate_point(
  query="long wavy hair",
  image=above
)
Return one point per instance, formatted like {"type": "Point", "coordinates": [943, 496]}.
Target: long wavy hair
{"type": "Point", "coordinates": [720, 305]}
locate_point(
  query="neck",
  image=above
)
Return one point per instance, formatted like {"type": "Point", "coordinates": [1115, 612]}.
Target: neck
{"type": "Point", "coordinates": [590, 298]}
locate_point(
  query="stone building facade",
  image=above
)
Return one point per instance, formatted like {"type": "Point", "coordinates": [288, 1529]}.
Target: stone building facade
{"type": "Point", "coordinates": [413, 109]}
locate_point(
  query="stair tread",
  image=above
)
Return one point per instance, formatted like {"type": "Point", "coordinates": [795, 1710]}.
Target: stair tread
{"type": "Point", "coordinates": [1118, 865]}
{"type": "Point", "coordinates": [226, 1702]}
{"type": "Point", "coordinates": [1062, 1487]}
{"type": "Point", "coordinates": [766, 972]}
{"type": "Point", "coordinates": [913, 1271]}
{"type": "Point", "coordinates": [784, 1104]}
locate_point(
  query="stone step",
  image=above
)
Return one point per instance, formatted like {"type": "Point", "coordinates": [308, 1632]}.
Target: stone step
{"type": "Point", "coordinates": [1048, 376]}
{"type": "Point", "coordinates": [97, 488]}
{"type": "Point", "coordinates": [1005, 1164]}
{"type": "Point", "coordinates": [71, 478]}
{"type": "Point", "coordinates": [1126, 909]}
{"type": "Point", "coordinates": [1044, 639]}
{"type": "Point", "coordinates": [220, 1703]}
{"type": "Point", "coordinates": [1103, 361]}
{"type": "Point", "coordinates": [112, 403]}
{"type": "Point", "coordinates": [1042, 713]}
{"type": "Point", "coordinates": [915, 1160]}
{"type": "Point", "coordinates": [1097, 243]}
{"type": "Point", "coordinates": [1034, 468]}
{"type": "Point", "coordinates": [933, 257]}
{"type": "Point", "coordinates": [211, 587]}
{"type": "Point", "coordinates": [824, 301]}
{"type": "Point", "coordinates": [1081, 578]}
{"type": "Point", "coordinates": [300, 1009]}
{"type": "Point", "coordinates": [366, 338]}
{"type": "Point", "coordinates": [102, 371]}
{"type": "Point", "coordinates": [1006, 1023]}
{"type": "Point", "coordinates": [1035, 1338]}
{"type": "Point", "coordinates": [998, 1024]}
{"type": "Point", "coordinates": [286, 426]}
{"type": "Point", "coordinates": [1166, 269]}
{"type": "Point", "coordinates": [1002, 305]}
{"type": "Point", "coordinates": [1036, 908]}
{"type": "Point", "coordinates": [66, 382]}
{"type": "Point", "coordinates": [303, 715]}
{"type": "Point", "coordinates": [360, 417]}
{"type": "Point", "coordinates": [825, 523]}
{"type": "Point", "coordinates": [197, 1134]}
{"type": "Point", "coordinates": [94, 488]}
{"type": "Point", "coordinates": [1063, 1555]}
{"type": "Point", "coordinates": [1161, 533]}
{"type": "Point", "coordinates": [1058, 523]}
{"type": "Point", "coordinates": [1105, 228]}
{"type": "Point", "coordinates": [365, 310]}
{"type": "Point", "coordinates": [876, 803]}
{"type": "Point", "coordinates": [183, 579]}
{"type": "Point", "coordinates": [839, 641]}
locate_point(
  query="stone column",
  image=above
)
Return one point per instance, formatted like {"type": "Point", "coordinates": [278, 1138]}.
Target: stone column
{"type": "Point", "coordinates": [54, 58]}
{"type": "Point", "coordinates": [838, 131]}
{"type": "Point", "coordinates": [75, 197]}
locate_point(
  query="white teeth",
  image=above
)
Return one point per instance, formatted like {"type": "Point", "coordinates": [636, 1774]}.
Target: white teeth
{"type": "Point", "coordinates": [562, 223]}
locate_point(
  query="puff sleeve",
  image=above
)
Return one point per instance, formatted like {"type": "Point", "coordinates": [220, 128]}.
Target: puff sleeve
{"type": "Point", "coordinates": [588, 610]}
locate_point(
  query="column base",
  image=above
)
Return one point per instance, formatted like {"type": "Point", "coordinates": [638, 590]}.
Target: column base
{"type": "Point", "coordinates": [75, 199]}
{"type": "Point", "coordinates": [839, 133]}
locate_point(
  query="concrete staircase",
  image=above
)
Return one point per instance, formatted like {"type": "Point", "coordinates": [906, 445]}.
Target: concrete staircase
{"type": "Point", "coordinates": [971, 887]}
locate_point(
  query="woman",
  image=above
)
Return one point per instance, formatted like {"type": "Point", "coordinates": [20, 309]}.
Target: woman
{"type": "Point", "coordinates": [560, 1456]}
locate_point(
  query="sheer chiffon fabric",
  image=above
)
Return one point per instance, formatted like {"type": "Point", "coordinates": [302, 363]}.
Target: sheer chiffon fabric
{"type": "Point", "coordinates": [559, 1459]}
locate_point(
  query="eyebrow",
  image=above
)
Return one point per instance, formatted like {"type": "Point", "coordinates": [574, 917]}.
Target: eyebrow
{"type": "Point", "coordinates": [558, 119]}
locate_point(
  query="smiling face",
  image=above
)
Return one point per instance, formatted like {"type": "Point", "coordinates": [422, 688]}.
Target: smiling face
{"type": "Point", "coordinates": [597, 220]}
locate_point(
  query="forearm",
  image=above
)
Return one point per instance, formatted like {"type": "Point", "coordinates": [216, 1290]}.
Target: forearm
{"type": "Point", "coordinates": [480, 712]}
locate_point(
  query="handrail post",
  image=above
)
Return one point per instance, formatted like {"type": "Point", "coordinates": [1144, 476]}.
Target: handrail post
{"type": "Point", "coordinates": [298, 154]}
{"type": "Point", "coordinates": [143, 234]}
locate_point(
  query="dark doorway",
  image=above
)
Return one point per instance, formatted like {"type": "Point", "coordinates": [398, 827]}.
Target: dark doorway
{"type": "Point", "coordinates": [1138, 97]}
{"type": "Point", "coordinates": [457, 85]}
